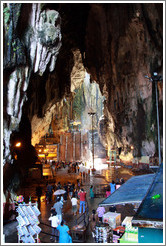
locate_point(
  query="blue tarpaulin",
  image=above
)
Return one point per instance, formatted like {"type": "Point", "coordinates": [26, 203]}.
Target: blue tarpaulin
{"type": "Point", "coordinates": [151, 208]}
{"type": "Point", "coordinates": [132, 191]}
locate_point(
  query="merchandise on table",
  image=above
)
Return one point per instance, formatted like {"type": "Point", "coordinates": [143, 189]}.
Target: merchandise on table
{"type": "Point", "coordinates": [25, 231]}
{"type": "Point", "coordinates": [131, 233]}
{"type": "Point", "coordinates": [120, 230]}
{"type": "Point", "coordinates": [115, 238]}
{"type": "Point", "coordinates": [127, 219]}
{"type": "Point", "coordinates": [37, 229]}
{"type": "Point", "coordinates": [24, 209]}
{"type": "Point", "coordinates": [20, 220]}
{"type": "Point", "coordinates": [20, 231]}
{"type": "Point", "coordinates": [36, 210]}
{"type": "Point", "coordinates": [113, 219]}
{"type": "Point", "coordinates": [30, 211]}
{"type": "Point", "coordinates": [31, 230]}
{"type": "Point", "coordinates": [32, 220]}
{"type": "Point", "coordinates": [26, 220]}
{"type": "Point", "coordinates": [127, 239]}
{"type": "Point", "coordinates": [103, 233]}
{"type": "Point", "coordinates": [35, 218]}
{"type": "Point", "coordinates": [28, 228]}
{"type": "Point", "coordinates": [20, 211]}
{"type": "Point", "coordinates": [31, 239]}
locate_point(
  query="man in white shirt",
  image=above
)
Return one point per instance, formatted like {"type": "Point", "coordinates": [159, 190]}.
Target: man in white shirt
{"type": "Point", "coordinates": [54, 223]}
{"type": "Point", "coordinates": [74, 204]}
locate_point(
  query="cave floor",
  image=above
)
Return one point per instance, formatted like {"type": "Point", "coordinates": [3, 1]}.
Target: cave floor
{"type": "Point", "coordinates": [62, 175]}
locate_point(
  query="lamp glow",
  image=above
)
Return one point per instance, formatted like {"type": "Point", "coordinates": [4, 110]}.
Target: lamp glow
{"type": "Point", "coordinates": [18, 144]}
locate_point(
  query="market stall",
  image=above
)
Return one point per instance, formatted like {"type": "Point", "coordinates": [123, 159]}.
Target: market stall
{"type": "Point", "coordinates": [131, 232]}
{"type": "Point", "coordinates": [103, 233]}
{"type": "Point", "coordinates": [28, 229]}
{"type": "Point", "coordinates": [132, 191]}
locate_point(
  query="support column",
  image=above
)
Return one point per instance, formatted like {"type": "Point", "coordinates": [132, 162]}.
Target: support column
{"type": "Point", "coordinates": [81, 154]}
{"type": "Point", "coordinates": [73, 146]}
{"type": "Point", "coordinates": [60, 148]}
{"type": "Point", "coordinates": [58, 152]}
{"type": "Point", "coordinates": [66, 148]}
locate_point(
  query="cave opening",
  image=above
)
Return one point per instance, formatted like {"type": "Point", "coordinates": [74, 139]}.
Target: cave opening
{"type": "Point", "coordinates": [68, 137]}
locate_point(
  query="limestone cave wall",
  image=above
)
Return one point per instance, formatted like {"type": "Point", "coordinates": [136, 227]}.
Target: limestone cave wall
{"type": "Point", "coordinates": [48, 48]}
{"type": "Point", "coordinates": [123, 44]}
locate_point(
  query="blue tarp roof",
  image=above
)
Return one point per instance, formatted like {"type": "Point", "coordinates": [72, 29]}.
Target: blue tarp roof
{"type": "Point", "coordinates": [132, 191]}
{"type": "Point", "coordinates": [152, 209]}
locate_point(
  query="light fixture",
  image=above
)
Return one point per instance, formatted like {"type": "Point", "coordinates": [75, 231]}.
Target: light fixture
{"type": "Point", "coordinates": [18, 144]}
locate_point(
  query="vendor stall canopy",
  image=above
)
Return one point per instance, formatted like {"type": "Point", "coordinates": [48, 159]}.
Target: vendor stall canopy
{"type": "Point", "coordinates": [151, 208]}
{"type": "Point", "coordinates": [132, 191]}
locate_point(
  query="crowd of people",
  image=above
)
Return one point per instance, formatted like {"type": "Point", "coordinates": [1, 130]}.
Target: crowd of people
{"type": "Point", "coordinates": [73, 192]}
{"type": "Point", "coordinates": [57, 165]}
{"type": "Point", "coordinates": [77, 196]}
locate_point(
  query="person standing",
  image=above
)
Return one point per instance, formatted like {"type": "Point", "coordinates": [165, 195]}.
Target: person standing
{"type": "Point", "coordinates": [82, 195]}
{"type": "Point", "coordinates": [78, 184]}
{"type": "Point", "coordinates": [38, 194]}
{"type": "Point", "coordinates": [54, 224]}
{"type": "Point", "coordinates": [92, 195]}
{"type": "Point", "coordinates": [112, 209]}
{"type": "Point", "coordinates": [78, 168]}
{"type": "Point", "coordinates": [49, 190]}
{"type": "Point", "coordinates": [74, 204]}
{"type": "Point", "coordinates": [93, 220]}
{"type": "Point", "coordinates": [66, 193]}
{"type": "Point", "coordinates": [61, 199]}
{"type": "Point", "coordinates": [108, 192]}
{"type": "Point", "coordinates": [112, 186]}
{"type": "Point", "coordinates": [58, 208]}
{"type": "Point", "coordinates": [100, 211]}
{"type": "Point", "coordinates": [59, 186]}
{"type": "Point", "coordinates": [71, 191]}
{"type": "Point", "coordinates": [64, 236]}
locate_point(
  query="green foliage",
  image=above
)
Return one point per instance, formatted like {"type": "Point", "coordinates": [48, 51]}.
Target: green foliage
{"type": "Point", "coordinates": [65, 114]}
{"type": "Point", "coordinates": [6, 13]}
{"type": "Point", "coordinates": [78, 104]}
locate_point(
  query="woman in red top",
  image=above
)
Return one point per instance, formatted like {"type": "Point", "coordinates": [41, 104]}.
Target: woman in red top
{"type": "Point", "coordinates": [82, 195]}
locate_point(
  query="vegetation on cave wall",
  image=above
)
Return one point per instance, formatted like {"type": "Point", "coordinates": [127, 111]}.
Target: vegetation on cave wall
{"type": "Point", "coordinates": [66, 114]}
{"type": "Point", "coordinates": [14, 50]}
{"type": "Point", "coordinates": [78, 103]}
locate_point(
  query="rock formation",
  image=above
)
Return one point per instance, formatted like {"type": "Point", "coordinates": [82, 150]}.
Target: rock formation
{"type": "Point", "coordinates": [49, 47]}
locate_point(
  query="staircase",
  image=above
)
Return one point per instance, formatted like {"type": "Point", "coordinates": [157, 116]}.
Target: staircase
{"type": "Point", "coordinates": [79, 230]}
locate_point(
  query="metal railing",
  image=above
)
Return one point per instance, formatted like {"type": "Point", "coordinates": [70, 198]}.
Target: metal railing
{"type": "Point", "coordinates": [50, 234]}
{"type": "Point", "coordinates": [83, 217]}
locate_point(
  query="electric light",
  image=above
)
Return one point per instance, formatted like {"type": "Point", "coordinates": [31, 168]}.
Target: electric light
{"type": "Point", "coordinates": [18, 144]}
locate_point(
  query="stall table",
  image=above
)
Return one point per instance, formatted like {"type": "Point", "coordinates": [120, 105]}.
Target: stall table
{"type": "Point", "coordinates": [78, 234]}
